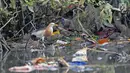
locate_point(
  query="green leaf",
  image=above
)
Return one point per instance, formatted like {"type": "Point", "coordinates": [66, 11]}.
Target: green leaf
{"type": "Point", "coordinates": [31, 8]}
{"type": "Point", "coordinates": [29, 2]}
{"type": "Point", "coordinates": [44, 2]}
{"type": "Point", "coordinates": [13, 4]}
{"type": "Point", "coordinates": [126, 2]}
{"type": "Point", "coordinates": [58, 3]}
{"type": "Point", "coordinates": [91, 1]}
{"type": "Point", "coordinates": [81, 2]}
{"type": "Point", "coordinates": [1, 9]}
{"type": "Point", "coordinates": [4, 12]}
{"type": "Point", "coordinates": [106, 13]}
{"type": "Point", "coordinates": [53, 4]}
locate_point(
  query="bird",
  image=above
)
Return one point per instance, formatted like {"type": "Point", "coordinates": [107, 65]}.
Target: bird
{"type": "Point", "coordinates": [47, 32]}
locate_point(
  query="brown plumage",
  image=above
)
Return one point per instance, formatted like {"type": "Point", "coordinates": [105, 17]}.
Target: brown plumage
{"type": "Point", "coordinates": [49, 30]}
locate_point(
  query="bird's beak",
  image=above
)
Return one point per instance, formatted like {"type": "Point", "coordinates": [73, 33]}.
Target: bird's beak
{"type": "Point", "coordinates": [56, 24]}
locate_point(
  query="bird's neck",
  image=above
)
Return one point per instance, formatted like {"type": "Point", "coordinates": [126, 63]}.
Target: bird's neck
{"type": "Point", "coordinates": [49, 27]}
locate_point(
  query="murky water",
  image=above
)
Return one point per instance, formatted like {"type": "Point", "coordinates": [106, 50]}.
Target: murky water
{"type": "Point", "coordinates": [99, 60]}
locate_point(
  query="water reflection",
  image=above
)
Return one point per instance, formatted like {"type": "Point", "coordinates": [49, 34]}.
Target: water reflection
{"type": "Point", "coordinates": [18, 58]}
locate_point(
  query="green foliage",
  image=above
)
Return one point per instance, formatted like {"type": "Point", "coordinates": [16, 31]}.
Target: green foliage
{"type": "Point", "coordinates": [106, 13]}
{"type": "Point", "coordinates": [90, 1]}
{"type": "Point", "coordinates": [127, 2]}
{"type": "Point", "coordinates": [56, 4]}
{"type": "Point", "coordinates": [1, 9]}
{"type": "Point", "coordinates": [13, 4]}
{"type": "Point", "coordinates": [4, 12]}
{"type": "Point", "coordinates": [97, 2]}
{"type": "Point", "coordinates": [81, 2]}
{"type": "Point", "coordinates": [44, 1]}
{"type": "Point", "coordinates": [30, 2]}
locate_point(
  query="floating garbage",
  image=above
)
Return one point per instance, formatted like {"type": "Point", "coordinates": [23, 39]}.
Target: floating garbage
{"type": "Point", "coordinates": [35, 64]}
{"type": "Point", "coordinates": [103, 41]}
{"type": "Point", "coordinates": [77, 63]}
{"type": "Point", "coordinates": [80, 55]}
{"type": "Point", "coordinates": [61, 42]}
{"type": "Point", "coordinates": [43, 63]}
{"type": "Point", "coordinates": [25, 68]}
{"type": "Point", "coordinates": [29, 68]}
{"type": "Point", "coordinates": [88, 43]}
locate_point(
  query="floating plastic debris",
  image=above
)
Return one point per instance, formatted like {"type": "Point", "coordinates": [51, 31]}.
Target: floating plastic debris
{"type": "Point", "coordinates": [61, 42]}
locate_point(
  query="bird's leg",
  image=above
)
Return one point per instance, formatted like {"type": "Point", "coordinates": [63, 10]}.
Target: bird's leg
{"type": "Point", "coordinates": [43, 39]}
{"type": "Point", "coordinates": [43, 45]}
{"type": "Point", "coordinates": [43, 42]}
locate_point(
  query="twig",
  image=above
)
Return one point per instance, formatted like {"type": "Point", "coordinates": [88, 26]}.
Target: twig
{"type": "Point", "coordinates": [5, 4]}
{"type": "Point", "coordinates": [6, 23]}
{"type": "Point", "coordinates": [83, 27]}
{"type": "Point", "coordinates": [1, 50]}
{"type": "Point", "coordinates": [66, 71]}
{"type": "Point", "coordinates": [21, 29]}
{"type": "Point", "coordinates": [9, 20]}
{"type": "Point", "coordinates": [5, 47]}
{"type": "Point", "coordinates": [4, 41]}
{"type": "Point", "coordinates": [33, 26]}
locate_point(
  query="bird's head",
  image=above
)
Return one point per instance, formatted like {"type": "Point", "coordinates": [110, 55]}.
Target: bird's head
{"type": "Point", "coordinates": [53, 24]}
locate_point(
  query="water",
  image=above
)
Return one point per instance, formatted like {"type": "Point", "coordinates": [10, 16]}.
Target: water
{"type": "Point", "coordinates": [99, 61]}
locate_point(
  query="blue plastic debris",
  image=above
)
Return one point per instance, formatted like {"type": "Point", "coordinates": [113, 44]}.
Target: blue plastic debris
{"type": "Point", "coordinates": [77, 63]}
